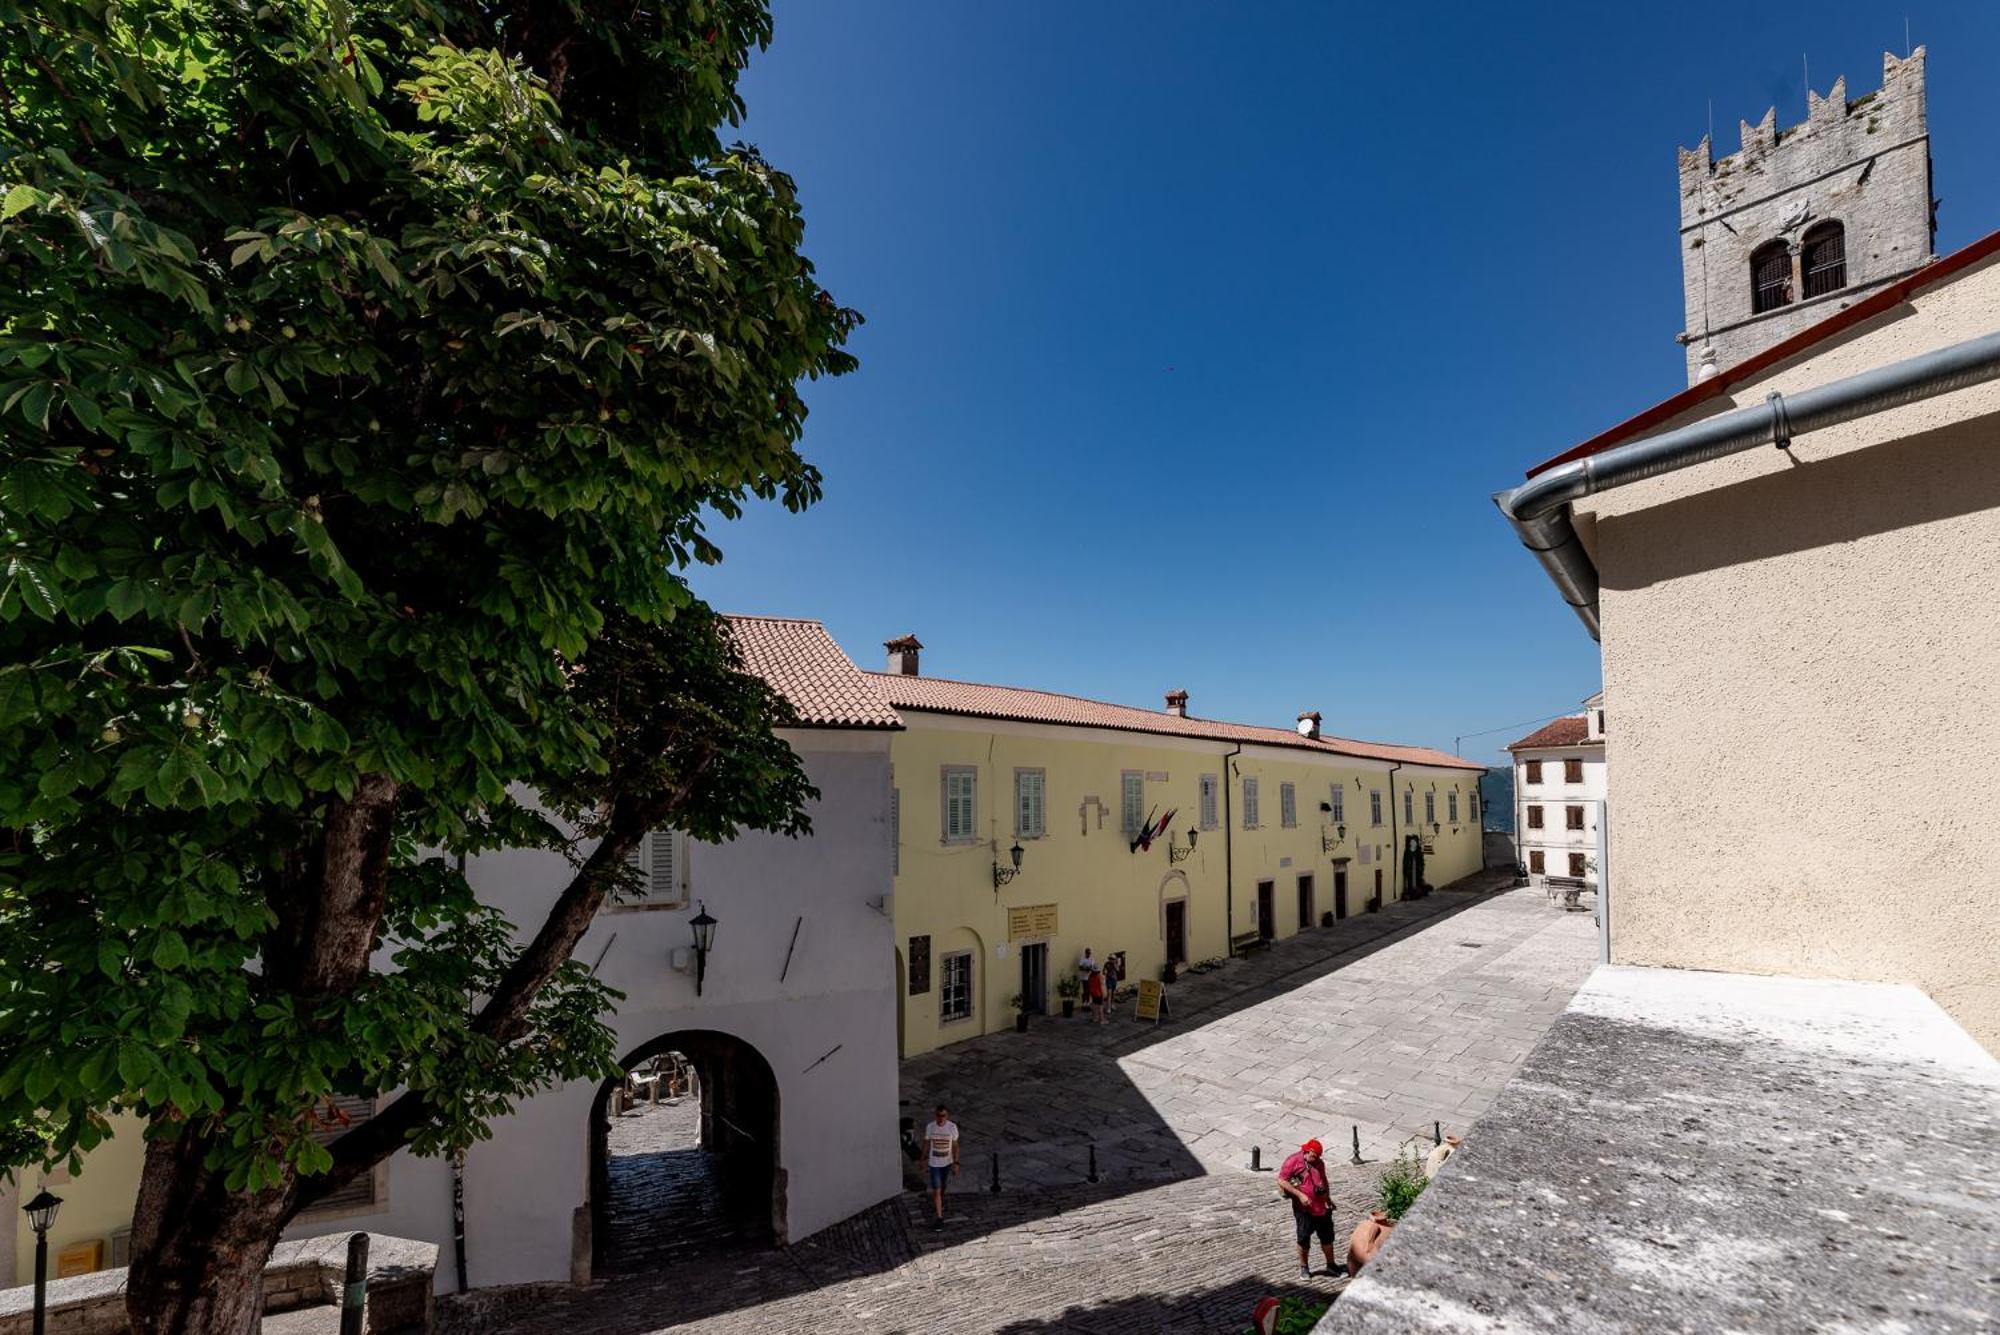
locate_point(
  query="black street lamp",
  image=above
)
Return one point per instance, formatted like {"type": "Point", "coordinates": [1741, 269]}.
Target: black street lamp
{"type": "Point", "coordinates": [704, 941]}
{"type": "Point", "coordinates": [1002, 875]}
{"type": "Point", "coordinates": [1175, 853]}
{"type": "Point", "coordinates": [41, 1213]}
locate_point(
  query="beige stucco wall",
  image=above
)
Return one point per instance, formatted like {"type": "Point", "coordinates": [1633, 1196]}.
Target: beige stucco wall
{"type": "Point", "coordinates": [1805, 651]}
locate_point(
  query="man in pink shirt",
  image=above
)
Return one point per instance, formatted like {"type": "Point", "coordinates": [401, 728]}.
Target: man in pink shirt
{"type": "Point", "coordinates": [1303, 1178]}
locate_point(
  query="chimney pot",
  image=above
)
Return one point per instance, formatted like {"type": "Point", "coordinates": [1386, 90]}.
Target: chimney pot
{"type": "Point", "coordinates": [1177, 703]}
{"type": "Point", "coordinates": [903, 655]}
{"type": "Point", "coordinates": [1309, 724]}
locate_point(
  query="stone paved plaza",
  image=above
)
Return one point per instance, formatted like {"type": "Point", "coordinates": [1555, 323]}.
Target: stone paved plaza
{"type": "Point", "coordinates": [1389, 1021]}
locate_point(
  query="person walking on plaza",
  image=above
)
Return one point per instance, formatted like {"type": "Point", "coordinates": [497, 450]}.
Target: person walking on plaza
{"type": "Point", "coordinates": [1093, 987]}
{"type": "Point", "coordinates": [941, 1139]}
{"type": "Point", "coordinates": [1302, 1178]}
{"type": "Point", "coordinates": [1113, 975]}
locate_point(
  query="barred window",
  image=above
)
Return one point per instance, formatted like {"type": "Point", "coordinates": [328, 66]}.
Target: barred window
{"type": "Point", "coordinates": [955, 986]}
{"type": "Point", "coordinates": [1770, 277]}
{"type": "Point", "coordinates": [1825, 259]}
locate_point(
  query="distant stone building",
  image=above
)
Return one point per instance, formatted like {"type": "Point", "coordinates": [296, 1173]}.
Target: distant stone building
{"type": "Point", "coordinates": [1804, 220]}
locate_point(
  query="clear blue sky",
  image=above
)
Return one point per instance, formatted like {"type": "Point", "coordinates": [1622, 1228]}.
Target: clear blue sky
{"type": "Point", "coordinates": [1199, 334]}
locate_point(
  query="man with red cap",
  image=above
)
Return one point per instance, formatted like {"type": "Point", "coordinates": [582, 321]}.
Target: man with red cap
{"type": "Point", "coordinates": [1303, 1178]}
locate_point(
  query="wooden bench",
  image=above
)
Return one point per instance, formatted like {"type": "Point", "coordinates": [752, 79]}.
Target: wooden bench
{"type": "Point", "coordinates": [1247, 942]}
{"type": "Point", "coordinates": [1569, 886]}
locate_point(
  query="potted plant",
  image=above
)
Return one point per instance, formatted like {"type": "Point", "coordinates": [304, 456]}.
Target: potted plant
{"type": "Point", "coordinates": [1168, 974]}
{"type": "Point", "coordinates": [1020, 1005]}
{"type": "Point", "coordinates": [1069, 988]}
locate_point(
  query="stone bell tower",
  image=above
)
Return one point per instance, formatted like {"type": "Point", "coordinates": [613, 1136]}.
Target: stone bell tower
{"type": "Point", "coordinates": [1805, 220]}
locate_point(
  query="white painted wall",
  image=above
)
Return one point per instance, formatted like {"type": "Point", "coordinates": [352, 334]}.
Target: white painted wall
{"type": "Point", "coordinates": [837, 1122]}
{"type": "Point", "coordinates": [1555, 840]}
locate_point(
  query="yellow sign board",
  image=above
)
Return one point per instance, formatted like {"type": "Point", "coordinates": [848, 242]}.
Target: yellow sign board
{"type": "Point", "coordinates": [80, 1258]}
{"type": "Point", "coordinates": [1151, 993]}
{"type": "Point", "coordinates": [1030, 922]}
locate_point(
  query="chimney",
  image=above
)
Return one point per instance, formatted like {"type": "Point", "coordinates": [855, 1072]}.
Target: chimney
{"type": "Point", "coordinates": [902, 656]}
{"type": "Point", "coordinates": [1177, 703]}
{"type": "Point", "coordinates": [1309, 724]}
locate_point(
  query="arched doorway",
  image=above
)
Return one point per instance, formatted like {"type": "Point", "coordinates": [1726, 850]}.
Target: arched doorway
{"type": "Point", "coordinates": [684, 1153]}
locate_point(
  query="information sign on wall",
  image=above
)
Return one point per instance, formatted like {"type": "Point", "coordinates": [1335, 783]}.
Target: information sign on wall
{"type": "Point", "coordinates": [1031, 921]}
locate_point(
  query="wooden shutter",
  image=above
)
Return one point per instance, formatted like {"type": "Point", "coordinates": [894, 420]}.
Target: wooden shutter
{"type": "Point", "coordinates": [1339, 804]}
{"type": "Point", "coordinates": [1249, 804]}
{"type": "Point", "coordinates": [1208, 821]}
{"type": "Point", "coordinates": [1030, 810]}
{"type": "Point", "coordinates": [1535, 861]}
{"type": "Point", "coordinates": [361, 1191]}
{"type": "Point", "coordinates": [1534, 818]}
{"type": "Point", "coordinates": [658, 860]}
{"type": "Point", "coordinates": [960, 797]}
{"type": "Point", "coordinates": [1576, 864]}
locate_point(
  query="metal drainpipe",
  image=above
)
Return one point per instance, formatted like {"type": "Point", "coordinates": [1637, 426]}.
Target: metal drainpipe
{"type": "Point", "coordinates": [1540, 508]}
{"type": "Point", "coordinates": [1228, 856]}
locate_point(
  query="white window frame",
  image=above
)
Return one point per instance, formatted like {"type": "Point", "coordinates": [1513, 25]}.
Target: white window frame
{"type": "Point", "coordinates": [1430, 808]}
{"type": "Point", "coordinates": [1409, 807]}
{"type": "Point", "coordinates": [1131, 800]}
{"type": "Point", "coordinates": [1288, 806]}
{"type": "Point", "coordinates": [945, 993]}
{"type": "Point", "coordinates": [1337, 808]}
{"type": "Point", "coordinates": [1375, 806]}
{"type": "Point", "coordinates": [1451, 805]}
{"type": "Point", "coordinates": [1251, 815]}
{"type": "Point", "coordinates": [1031, 803]}
{"type": "Point", "coordinates": [967, 831]}
{"type": "Point", "coordinates": [676, 882]}
{"type": "Point", "coordinates": [1210, 783]}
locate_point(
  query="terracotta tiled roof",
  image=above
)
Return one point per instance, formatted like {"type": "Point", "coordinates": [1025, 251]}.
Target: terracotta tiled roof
{"type": "Point", "coordinates": [803, 664]}
{"type": "Point", "coordinates": [1753, 366]}
{"type": "Point", "coordinates": [1571, 731]}
{"type": "Point", "coordinates": [942, 696]}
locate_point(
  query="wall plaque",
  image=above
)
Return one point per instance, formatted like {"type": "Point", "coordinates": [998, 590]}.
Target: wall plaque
{"type": "Point", "coordinates": [1031, 921]}
{"type": "Point", "coordinates": [920, 965]}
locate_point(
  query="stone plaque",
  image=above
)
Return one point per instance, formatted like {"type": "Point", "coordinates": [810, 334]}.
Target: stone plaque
{"type": "Point", "coordinates": [920, 965]}
{"type": "Point", "coordinates": [1030, 922]}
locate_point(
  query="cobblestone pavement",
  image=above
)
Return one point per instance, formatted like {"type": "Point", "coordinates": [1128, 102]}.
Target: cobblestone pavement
{"type": "Point", "coordinates": [668, 1197]}
{"type": "Point", "coordinates": [1389, 1022]}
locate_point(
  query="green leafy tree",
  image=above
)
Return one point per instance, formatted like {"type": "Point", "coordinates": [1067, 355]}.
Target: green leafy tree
{"type": "Point", "coordinates": [367, 370]}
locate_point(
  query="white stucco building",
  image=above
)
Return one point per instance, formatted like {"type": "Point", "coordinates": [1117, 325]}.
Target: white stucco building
{"type": "Point", "coordinates": [793, 1034]}
{"type": "Point", "coordinates": [1559, 784]}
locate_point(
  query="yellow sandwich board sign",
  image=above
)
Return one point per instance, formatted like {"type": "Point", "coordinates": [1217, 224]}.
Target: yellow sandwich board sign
{"type": "Point", "coordinates": [1151, 993]}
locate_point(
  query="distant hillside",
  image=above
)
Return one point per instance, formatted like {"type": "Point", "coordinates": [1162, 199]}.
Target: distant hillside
{"type": "Point", "coordinates": [1496, 799]}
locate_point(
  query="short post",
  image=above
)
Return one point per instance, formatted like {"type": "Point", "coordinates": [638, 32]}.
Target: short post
{"type": "Point", "coordinates": [1437, 1133]}
{"type": "Point", "coordinates": [1357, 1144]}
{"type": "Point", "coordinates": [1256, 1158]}
{"type": "Point", "coordinates": [996, 1173]}
{"type": "Point", "coordinates": [354, 1297]}
{"type": "Point", "coordinates": [1093, 1162]}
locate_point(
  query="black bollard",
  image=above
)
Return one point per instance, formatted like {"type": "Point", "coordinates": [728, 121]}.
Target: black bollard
{"type": "Point", "coordinates": [1256, 1158]}
{"type": "Point", "coordinates": [996, 1174]}
{"type": "Point", "coordinates": [354, 1297]}
{"type": "Point", "coordinates": [1093, 1162]}
{"type": "Point", "coordinates": [1437, 1133]}
{"type": "Point", "coordinates": [1357, 1144]}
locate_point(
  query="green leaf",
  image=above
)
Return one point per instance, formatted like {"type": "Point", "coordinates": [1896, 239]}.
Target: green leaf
{"type": "Point", "coordinates": [19, 200]}
{"type": "Point", "coordinates": [170, 952]}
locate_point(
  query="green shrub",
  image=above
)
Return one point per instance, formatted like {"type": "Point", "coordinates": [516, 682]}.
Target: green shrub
{"type": "Point", "coordinates": [1402, 1182]}
{"type": "Point", "coordinates": [1297, 1316]}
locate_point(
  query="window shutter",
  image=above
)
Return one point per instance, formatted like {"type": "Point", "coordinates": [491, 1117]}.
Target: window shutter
{"type": "Point", "coordinates": [360, 1191]}
{"type": "Point", "coordinates": [1339, 804]}
{"type": "Point", "coordinates": [1249, 804]}
{"type": "Point", "coordinates": [662, 881]}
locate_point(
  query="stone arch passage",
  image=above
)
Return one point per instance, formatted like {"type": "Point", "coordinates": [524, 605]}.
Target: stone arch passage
{"type": "Point", "coordinates": [684, 1153]}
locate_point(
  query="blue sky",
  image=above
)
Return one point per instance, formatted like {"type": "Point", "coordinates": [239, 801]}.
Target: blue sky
{"type": "Point", "coordinates": [1199, 335]}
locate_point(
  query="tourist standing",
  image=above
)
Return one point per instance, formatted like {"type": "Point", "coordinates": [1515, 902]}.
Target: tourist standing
{"type": "Point", "coordinates": [1093, 987]}
{"type": "Point", "coordinates": [941, 1139]}
{"type": "Point", "coordinates": [1114, 974]}
{"type": "Point", "coordinates": [1302, 1177]}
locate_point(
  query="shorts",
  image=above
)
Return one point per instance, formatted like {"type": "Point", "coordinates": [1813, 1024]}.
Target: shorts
{"type": "Point", "coordinates": [940, 1175]}
{"type": "Point", "coordinates": [1309, 1225]}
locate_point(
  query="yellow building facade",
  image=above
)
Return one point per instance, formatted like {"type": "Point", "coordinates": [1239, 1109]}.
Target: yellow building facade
{"type": "Point", "coordinates": [1266, 830]}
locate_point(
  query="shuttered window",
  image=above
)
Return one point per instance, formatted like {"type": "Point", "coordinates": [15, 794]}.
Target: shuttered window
{"type": "Point", "coordinates": [1375, 806]}
{"type": "Point", "coordinates": [1030, 815]}
{"type": "Point", "coordinates": [1132, 804]}
{"type": "Point", "coordinates": [1288, 805]}
{"type": "Point", "coordinates": [1249, 804]}
{"type": "Point", "coordinates": [1338, 806]}
{"type": "Point", "coordinates": [1451, 805]}
{"type": "Point", "coordinates": [1576, 867]}
{"type": "Point", "coordinates": [1209, 784]}
{"type": "Point", "coordinates": [1572, 771]}
{"type": "Point", "coordinates": [1535, 861]}
{"type": "Point", "coordinates": [1573, 817]}
{"type": "Point", "coordinates": [347, 1113]}
{"type": "Point", "coordinates": [1534, 818]}
{"type": "Point", "coordinates": [1534, 771]}
{"type": "Point", "coordinates": [1409, 807]}
{"type": "Point", "coordinates": [661, 861]}
{"type": "Point", "coordinates": [1430, 808]}
{"type": "Point", "coordinates": [961, 804]}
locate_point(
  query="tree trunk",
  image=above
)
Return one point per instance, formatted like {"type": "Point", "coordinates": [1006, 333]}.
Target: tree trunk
{"type": "Point", "coordinates": [198, 1250]}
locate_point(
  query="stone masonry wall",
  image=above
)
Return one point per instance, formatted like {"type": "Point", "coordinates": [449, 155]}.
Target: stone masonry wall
{"type": "Point", "coordinates": [1864, 164]}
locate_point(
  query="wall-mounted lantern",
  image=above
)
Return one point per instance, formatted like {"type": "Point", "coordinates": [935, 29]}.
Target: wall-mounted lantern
{"type": "Point", "coordinates": [1175, 853]}
{"type": "Point", "coordinates": [703, 927]}
{"type": "Point", "coordinates": [1002, 875]}
{"type": "Point", "coordinates": [1329, 842]}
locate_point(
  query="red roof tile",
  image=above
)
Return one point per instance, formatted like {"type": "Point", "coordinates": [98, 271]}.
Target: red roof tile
{"type": "Point", "coordinates": [1751, 367]}
{"type": "Point", "coordinates": [943, 696]}
{"type": "Point", "coordinates": [1571, 731]}
{"type": "Point", "coordinates": [802, 663]}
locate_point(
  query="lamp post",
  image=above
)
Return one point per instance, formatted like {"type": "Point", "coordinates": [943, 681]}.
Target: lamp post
{"type": "Point", "coordinates": [704, 940]}
{"type": "Point", "coordinates": [1002, 875]}
{"type": "Point", "coordinates": [1175, 853]}
{"type": "Point", "coordinates": [41, 1213]}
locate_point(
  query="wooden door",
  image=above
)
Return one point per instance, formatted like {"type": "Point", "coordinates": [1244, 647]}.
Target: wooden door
{"type": "Point", "coordinates": [1177, 952]}
{"type": "Point", "coordinates": [1035, 979]}
{"type": "Point", "coordinates": [1340, 894]}
{"type": "Point", "coordinates": [1305, 902]}
{"type": "Point", "coordinates": [1267, 909]}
